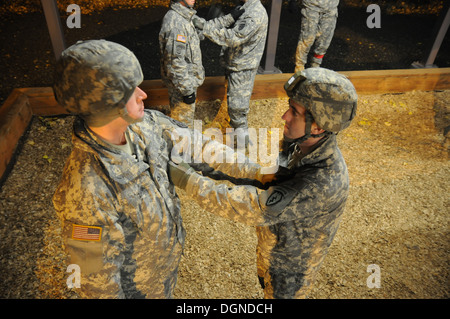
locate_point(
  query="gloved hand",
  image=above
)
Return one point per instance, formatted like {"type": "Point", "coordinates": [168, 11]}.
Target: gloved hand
{"type": "Point", "coordinates": [237, 12]}
{"type": "Point", "coordinates": [198, 22]}
{"type": "Point", "coordinates": [275, 173]}
{"type": "Point", "coordinates": [189, 99]}
{"type": "Point", "coordinates": [292, 6]}
{"type": "Point", "coordinates": [179, 173]}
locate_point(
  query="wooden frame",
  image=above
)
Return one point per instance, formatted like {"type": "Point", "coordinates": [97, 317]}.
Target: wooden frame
{"type": "Point", "coordinates": [23, 103]}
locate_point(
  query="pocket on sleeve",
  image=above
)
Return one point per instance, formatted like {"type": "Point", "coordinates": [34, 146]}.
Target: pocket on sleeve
{"type": "Point", "coordinates": [88, 254]}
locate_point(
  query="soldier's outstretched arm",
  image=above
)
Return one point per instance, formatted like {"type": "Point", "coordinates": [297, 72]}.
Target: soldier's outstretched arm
{"type": "Point", "coordinates": [205, 154]}
{"type": "Point", "coordinates": [245, 204]}
{"type": "Point", "coordinates": [231, 37]}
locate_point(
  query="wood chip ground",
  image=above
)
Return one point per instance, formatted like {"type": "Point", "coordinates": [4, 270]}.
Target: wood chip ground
{"type": "Point", "coordinates": [396, 216]}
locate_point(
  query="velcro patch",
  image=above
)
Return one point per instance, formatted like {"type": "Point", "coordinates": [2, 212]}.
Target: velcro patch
{"type": "Point", "coordinates": [181, 38]}
{"type": "Point", "coordinates": [90, 233]}
{"type": "Point", "coordinates": [274, 198]}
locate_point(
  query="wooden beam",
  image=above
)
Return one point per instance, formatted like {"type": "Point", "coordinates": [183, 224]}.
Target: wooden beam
{"type": "Point", "coordinates": [397, 81]}
{"type": "Point", "coordinates": [15, 115]}
{"type": "Point", "coordinates": [43, 101]}
{"type": "Point", "coordinates": [271, 86]}
{"type": "Point", "coordinates": [16, 112]}
{"type": "Point", "coordinates": [366, 82]}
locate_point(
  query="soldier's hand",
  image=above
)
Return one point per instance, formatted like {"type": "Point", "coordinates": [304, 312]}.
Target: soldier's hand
{"type": "Point", "coordinates": [267, 178]}
{"type": "Point", "coordinates": [237, 12]}
{"type": "Point", "coordinates": [198, 22]}
{"type": "Point", "coordinates": [179, 173]}
{"type": "Point", "coordinates": [189, 99]}
{"type": "Point", "coordinates": [274, 173]}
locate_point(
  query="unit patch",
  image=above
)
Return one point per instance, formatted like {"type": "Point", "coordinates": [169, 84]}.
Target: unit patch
{"type": "Point", "coordinates": [274, 198]}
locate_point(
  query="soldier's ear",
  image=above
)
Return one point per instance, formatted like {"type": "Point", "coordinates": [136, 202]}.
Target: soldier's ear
{"type": "Point", "coordinates": [315, 129]}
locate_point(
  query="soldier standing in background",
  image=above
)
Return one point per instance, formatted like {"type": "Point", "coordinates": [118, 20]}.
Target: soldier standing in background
{"type": "Point", "coordinates": [318, 22]}
{"type": "Point", "coordinates": [181, 59]}
{"type": "Point", "coordinates": [242, 48]}
{"type": "Point", "coordinates": [297, 216]}
{"type": "Point", "coordinates": [120, 214]}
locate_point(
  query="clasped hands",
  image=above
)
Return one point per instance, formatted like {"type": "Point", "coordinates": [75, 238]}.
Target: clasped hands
{"type": "Point", "coordinates": [199, 23]}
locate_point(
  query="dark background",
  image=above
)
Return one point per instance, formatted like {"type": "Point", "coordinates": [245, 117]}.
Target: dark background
{"type": "Point", "coordinates": [27, 59]}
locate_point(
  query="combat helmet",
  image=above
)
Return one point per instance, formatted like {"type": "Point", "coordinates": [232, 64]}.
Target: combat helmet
{"type": "Point", "coordinates": [95, 79]}
{"type": "Point", "coordinates": [329, 98]}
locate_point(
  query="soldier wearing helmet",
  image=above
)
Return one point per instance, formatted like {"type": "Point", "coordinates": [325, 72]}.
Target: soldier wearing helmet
{"type": "Point", "coordinates": [120, 213]}
{"type": "Point", "coordinates": [242, 48]}
{"type": "Point", "coordinates": [181, 58]}
{"type": "Point", "coordinates": [298, 213]}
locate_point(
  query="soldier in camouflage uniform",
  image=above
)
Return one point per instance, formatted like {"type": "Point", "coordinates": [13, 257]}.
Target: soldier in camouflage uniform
{"type": "Point", "coordinates": [242, 49]}
{"type": "Point", "coordinates": [318, 21]}
{"type": "Point", "coordinates": [298, 213]}
{"type": "Point", "coordinates": [120, 214]}
{"type": "Point", "coordinates": [181, 59]}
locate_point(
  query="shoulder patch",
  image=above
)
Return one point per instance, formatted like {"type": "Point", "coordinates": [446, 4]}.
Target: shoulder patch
{"type": "Point", "coordinates": [181, 38]}
{"type": "Point", "coordinates": [90, 233]}
{"type": "Point", "coordinates": [274, 198]}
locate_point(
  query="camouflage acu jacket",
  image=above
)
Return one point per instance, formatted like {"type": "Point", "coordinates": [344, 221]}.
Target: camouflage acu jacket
{"type": "Point", "coordinates": [297, 218]}
{"type": "Point", "coordinates": [242, 44]}
{"type": "Point", "coordinates": [120, 214]}
{"type": "Point", "coordinates": [180, 53]}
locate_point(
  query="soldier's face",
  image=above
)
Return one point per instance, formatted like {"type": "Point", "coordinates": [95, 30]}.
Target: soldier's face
{"type": "Point", "coordinates": [294, 118]}
{"type": "Point", "coordinates": [190, 3]}
{"type": "Point", "coordinates": [135, 105]}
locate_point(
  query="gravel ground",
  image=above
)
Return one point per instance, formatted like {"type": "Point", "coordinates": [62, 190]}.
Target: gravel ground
{"type": "Point", "coordinates": [396, 150]}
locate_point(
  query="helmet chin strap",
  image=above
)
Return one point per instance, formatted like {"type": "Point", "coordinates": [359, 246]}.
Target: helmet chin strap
{"type": "Point", "coordinates": [298, 141]}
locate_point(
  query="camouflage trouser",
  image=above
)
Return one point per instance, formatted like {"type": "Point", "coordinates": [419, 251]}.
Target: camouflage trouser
{"type": "Point", "coordinates": [239, 92]}
{"type": "Point", "coordinates": [318, 28]}
{"type": "Point", "coordinates": [291, 276]}
{"type": "Point", "coordinates": [178, 109]}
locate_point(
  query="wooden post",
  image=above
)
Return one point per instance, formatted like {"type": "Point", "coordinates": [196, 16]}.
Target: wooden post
{"type": "Point", "coordinates": [272, 39]}
{"type": "Point", "coordinates": [436, 40]}
{"type": "Point", "coordinates": [54, 26]}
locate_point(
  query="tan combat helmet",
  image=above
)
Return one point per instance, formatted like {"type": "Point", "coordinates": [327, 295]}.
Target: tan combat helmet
{"type": "Point", "coordinates": [330, 99]}
{"type": "Point", "coordinates": [95, 79]}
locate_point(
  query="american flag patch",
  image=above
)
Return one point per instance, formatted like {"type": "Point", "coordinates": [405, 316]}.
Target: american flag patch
{"type": "Point", "coordinates": [181, 38]}
{"type": "Point", "coordinates": [92, 233]}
